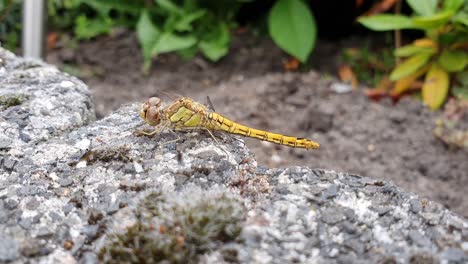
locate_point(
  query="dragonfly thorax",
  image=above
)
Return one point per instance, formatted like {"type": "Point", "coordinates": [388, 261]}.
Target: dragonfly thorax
{"type": "Point", "coordinates": [150, 111]}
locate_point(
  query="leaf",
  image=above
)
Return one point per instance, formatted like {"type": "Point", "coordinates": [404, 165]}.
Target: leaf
{"type": "Point", "coordinates": [105, 6]}
{"type": "Point", "coordinates": [381, 7]}
{"type": "Point", "coordinates": [87, 28]}
{"type": "Point", "coordinates": [184, 24]}
{"type": "Point", "coordinates": [168, 42]}
{"type": "Point", "coordinates": [148, 34]}
{"type": "Point", "coordinates": [461, 18]}
{"type": "Point", "coordinates": [292, 27]}
{"type": "Point", "coordinates": [462, 77]}
{"type": "Point", "coordinates": [436, 86]}
{"type": "Point", "coordinates": [217, 45]}
{"type": "Point", "coordinates": [453, 60]}
{"type": "Point", "coordinates": [169, 7]}
{"type": "Point", "coordinates": [386, 22]}
{"type": "Point", "coordinates": [423, 7]}
{"type": "Point", "coordinates": [410, 50]}
{"type": "Point", "coordinates": [347, 75]}
{"type": "Point", "coordinates": [409, 66]}
{"type": "Point", "coordinates": [433, 21]}
{"type": "Point", "coordinates": [460, 92]}
{"type": "Point", "coordinates": [426, 43]}
{"type": "Point", "coordinates": [453, 5]}
{"type": "Point", "coordinates": [403, 84]}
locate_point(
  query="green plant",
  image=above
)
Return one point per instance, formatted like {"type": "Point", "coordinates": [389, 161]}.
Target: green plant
{"type": "Point", "coordinates": [292, 27]}
{"type": "Point", "coordinates": [441, 53]}
{"type": "Point", "coordinates": [90, 18]}
{"type": "Point", "coordinates": [186, 27]}
{"type": "Point", "coordinates": [10, 23]}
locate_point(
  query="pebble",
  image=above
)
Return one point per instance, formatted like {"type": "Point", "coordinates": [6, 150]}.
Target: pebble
{"type": "Point", "coordinates": [332, 216]}
{"type": "Point", "coordinates": [330, 192]}
{"type": "Point", "coordinates": [454, 254]}
{"type": "Point", "coordinates": [65, 182]}
{"type": "Point", "coordinates": [415, 206]}
{"type": "Point", "coordinates": [418, 239]}
{"type": "Point", "coordinates": [9, 248]}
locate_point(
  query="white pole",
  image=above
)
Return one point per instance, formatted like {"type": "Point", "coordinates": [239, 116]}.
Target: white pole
{"type": "Point", "coordinates": [34, 18]}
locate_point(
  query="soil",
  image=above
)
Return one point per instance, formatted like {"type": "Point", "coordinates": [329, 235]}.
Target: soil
{"type": "Point", "coordinates": [358, 136]}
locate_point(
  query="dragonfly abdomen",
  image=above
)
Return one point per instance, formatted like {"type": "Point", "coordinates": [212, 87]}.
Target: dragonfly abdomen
{"type": "Point", "coordinates": [220, 122]}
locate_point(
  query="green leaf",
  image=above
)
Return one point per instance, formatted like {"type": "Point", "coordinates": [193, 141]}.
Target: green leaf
{"type": "Point", "coordinates": [433, 21]}
{"type": "Point", "coordinates": [461, 18]}
{"type": "Point", "coordinates": [87, 28]}
{"type": "Point", "coordinates": [409, 66]}
{"type": "Point", "coordinates": [423, 7]}
{"type": "Point", "coordinates": [460, 92]}
{"type": "Point", "coordinates": [168, 42]}
{"type": "Point", "coordinates": [104, 6]}
{"type": "Point", "coordinates": [453, 5]}
{"type": "Point", "coordinates": [410, 50]}
{"type": "Point", "coordinates": [170, 7]}
{"type": "Point", "coordinates": [462, 77]}
{"type": "Point", "coordinates": [217, 45]}
{"type": "Point", "coordinates": [453, 60]}
{"type": "Point", "coordinates": [386, 22]}
{"type": "Point", "coordinates": [148, 34]}
{"type": "Point", "coordinates": [436, 86]}
{"type": "Point", "coordinates": [188, 53]}
{"type": "Point", "coordinates": [184, 24]}
{"type": "Point", "coordinates": [292, 27]}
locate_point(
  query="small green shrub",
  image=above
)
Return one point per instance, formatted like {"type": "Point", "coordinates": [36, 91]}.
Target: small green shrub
{"type": "Point", "coordinates": [441, 53]}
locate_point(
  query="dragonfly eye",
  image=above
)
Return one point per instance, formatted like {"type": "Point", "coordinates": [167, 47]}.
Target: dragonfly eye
{"type": "Point", "coordinates": [143, 110]}
{"type": "Point", "coordinates": [152, 115]}
{"type": "Point", "coordinates": [154, 101]}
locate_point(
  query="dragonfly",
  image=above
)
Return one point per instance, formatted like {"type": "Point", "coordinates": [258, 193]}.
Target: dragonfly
{"type": "Point", "coordinates": [186, 114]}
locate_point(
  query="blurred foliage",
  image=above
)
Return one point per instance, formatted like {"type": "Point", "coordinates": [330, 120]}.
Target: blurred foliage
{"type": "Point", "coordinates": [368, 64]}
{"type": "Point", "coordinates": [441, 54]}
{"type": "Point", "coordinates": [182, 26]}
{"type": "Point", "coordinates": [10, 23]}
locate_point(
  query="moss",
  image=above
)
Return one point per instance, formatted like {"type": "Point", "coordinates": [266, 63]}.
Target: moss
{"type": "Point", "coordinates": [177, 228]}
{"type": "Point", "coordinates": [7, 101]}
{"type": "Point", "coordinates": [121, 153]}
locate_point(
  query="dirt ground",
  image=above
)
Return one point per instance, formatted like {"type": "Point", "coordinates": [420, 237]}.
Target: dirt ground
{"type": "Point", "coordinates": [381, 140]}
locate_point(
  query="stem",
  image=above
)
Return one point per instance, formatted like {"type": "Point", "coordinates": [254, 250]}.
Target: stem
{"type": "Point", "coordinates": [397, 33]}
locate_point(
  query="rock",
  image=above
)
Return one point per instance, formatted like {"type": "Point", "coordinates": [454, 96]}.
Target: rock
{"type": "Point", "coordinates": [455, 255]}
{"type": "Point", "coordinates": [9, 248]}
{"type": "Point", "coordinates": [84, 190]}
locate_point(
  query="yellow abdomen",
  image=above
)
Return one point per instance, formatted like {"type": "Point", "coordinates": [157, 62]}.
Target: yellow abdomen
{"type": "Point", "coordinates": [219, 122]}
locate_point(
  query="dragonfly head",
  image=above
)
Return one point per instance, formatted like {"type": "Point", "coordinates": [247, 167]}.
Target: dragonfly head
{"type": "Point", "coordinates": [150, 111]}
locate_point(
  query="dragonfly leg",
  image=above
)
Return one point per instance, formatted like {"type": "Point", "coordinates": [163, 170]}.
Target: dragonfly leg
{"type": "Point", "coordinates": [171, 141]}
{"type": "Point", "coordinates": [217, 143]}
{"type": "Point", "coordinates": [154, 132]}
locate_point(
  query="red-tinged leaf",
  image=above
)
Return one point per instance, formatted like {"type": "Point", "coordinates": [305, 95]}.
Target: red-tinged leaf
{"type": "Point", "coordinates": [381, 7]}
{"type": "Point", "coordinates": [52, 39]}
{"type": "Point", "coordinates": [292, 64]}
{"type": "Point", "coordinates": [375, 94]}
{"type": "Point", "coordinates": [404, 84]}
{"type": "Point", "coordinates": [347, 75]}
{"type": "Point", "coordinates": [436, 86]}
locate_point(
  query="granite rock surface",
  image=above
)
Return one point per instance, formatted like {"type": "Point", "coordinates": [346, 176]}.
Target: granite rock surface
{"type": "Point", "coordinates": [72, 191]}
